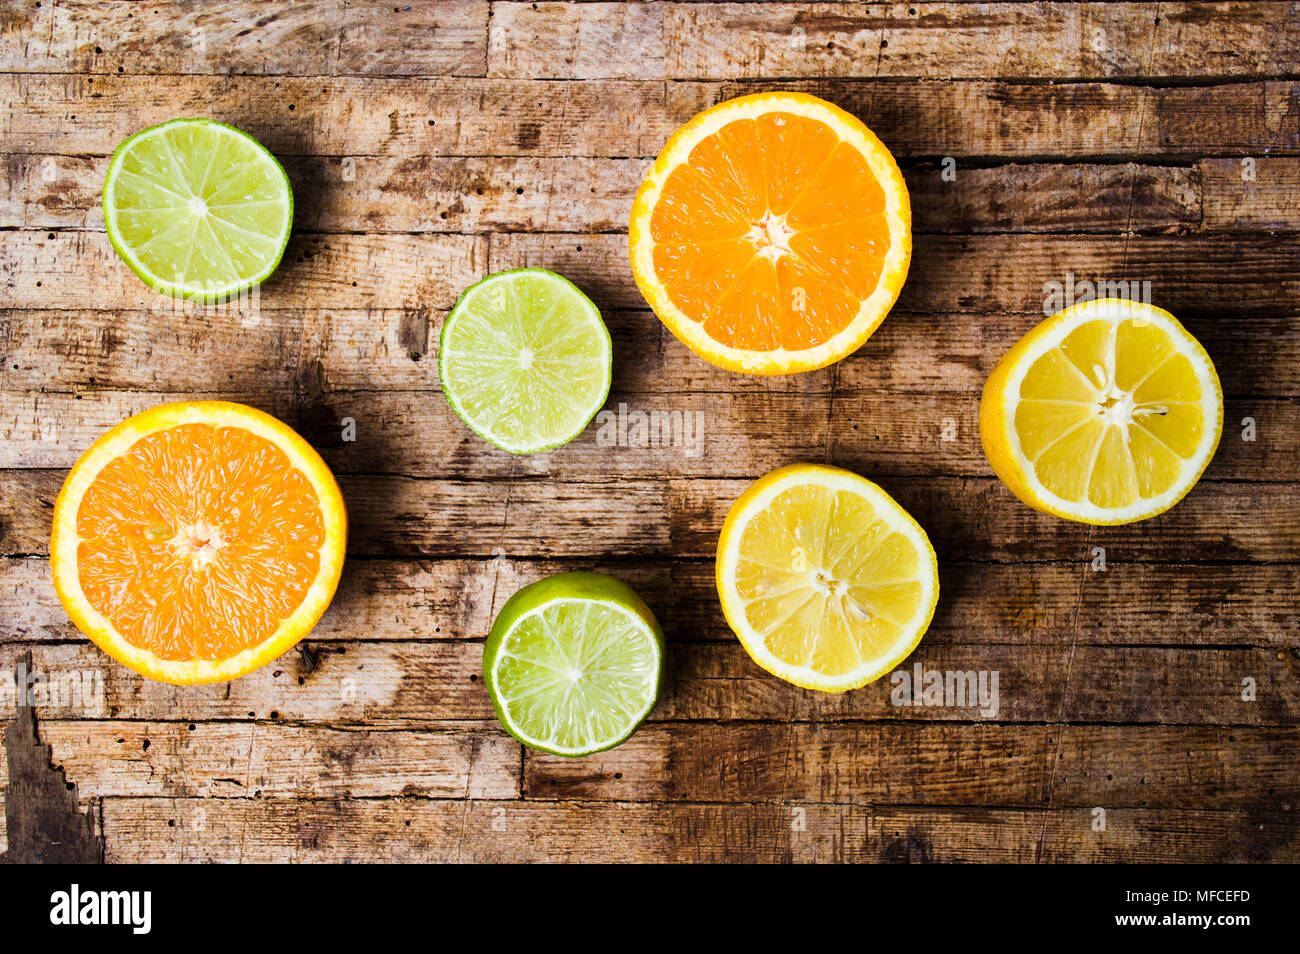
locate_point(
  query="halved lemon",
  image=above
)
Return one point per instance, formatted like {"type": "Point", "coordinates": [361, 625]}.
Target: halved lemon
{"type": "Point", "coordinates": [1106, 413]}
{"type": "Point", "coordinates": [197, 541]}
{"type": "Point", "coordinates": [825, 579]}
{"type": "Point", "coordinates": [773, 233]}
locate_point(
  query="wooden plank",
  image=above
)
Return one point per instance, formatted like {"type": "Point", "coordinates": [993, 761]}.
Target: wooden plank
{"type": "Point", "coordinates": [383, 683]}
{"type": "Point", "coordinates": [176, 347]}
{"type": "Point", "coordinates": [51, 192]}
{"type": "Point", "coordinates": [928, 353]}
{"type": "Point", "coordinates": [1251, 193]}
{"type": "Point", "coordinates": [360, 830]}
{"type": "Point", "coordinates": [929, 40]}
{"type": "Point", "coordinates": [1119, 685]}
{"type": "Point", "coordinates": [907, 764]}
{"type": "Point", "coordinates": [1190, 275]}
{"type": "Point", "coordinates": [920, 435]}
{"type": "Point", "coordinates": [351, 684]}
{"type": "Point", "coordinates": [1054, 197]}
{"type": "Point", "coordinates": [1018, 605]}
{"type": "Point", "coordinates": [83, 115]}
{"type": "Point", "coordinates": [416, 434]}
{"type": "Point", "coordinates": [967, 518]}
{"type": "Point", "coordinates": [370, 193]}
{"type": "Point", "coordinates": [321, 351]}
{"type": "Point", "coordinates": [448, 38]}
{"type": "Point", "coordinates": [416, 39]}
{"type": "Point", "coordinates": [376, 600]}
{"type": "Point", "coordinates": [183, 349]}
{"type": "Point", "coordinates": [341, 116]}
{"type": "Point", "coordinates": [57, 428]}
{"type": "Point", "coordinates": [318, 271]}
{"type": "Point", "coordinates": [718, 435]}
{"type": "Point", "coordinates": [434, 194]}
{"type": "Point", "coordinates": [256, 760]}
{"type": "Point", "coordinates": [649, 41]}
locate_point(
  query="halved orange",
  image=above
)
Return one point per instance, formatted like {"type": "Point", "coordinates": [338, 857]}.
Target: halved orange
{"type": "Point", "coordinates": [197, 541]}
{"type": "Point", "coordinates": [773, 233]}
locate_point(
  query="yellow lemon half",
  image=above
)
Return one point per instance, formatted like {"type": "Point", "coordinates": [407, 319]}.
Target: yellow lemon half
{"type": "Point", "coordinates": [827, 582]}
{"type": "Point", "coordinates": [1106, 413]}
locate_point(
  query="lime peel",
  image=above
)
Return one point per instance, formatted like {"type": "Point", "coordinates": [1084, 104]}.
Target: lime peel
{"type": "Point", "coordinates": [197, 209]}
{"type": "Point", "coordinates": [574, 664]}
{"type": "Point", "coordinates": [525, 360]}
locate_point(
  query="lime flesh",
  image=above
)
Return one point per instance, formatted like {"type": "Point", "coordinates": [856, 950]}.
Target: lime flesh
{"type": "Point", "coordinates": [525, 360]}
{"type": "Point", "coordinates": [197, 209]}
{"type": "Point", "coordinates": [574, 663]}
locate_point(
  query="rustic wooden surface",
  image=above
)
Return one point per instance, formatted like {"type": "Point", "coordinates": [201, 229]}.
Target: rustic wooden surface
{"type": "Point", "coordinates": [430, 143]}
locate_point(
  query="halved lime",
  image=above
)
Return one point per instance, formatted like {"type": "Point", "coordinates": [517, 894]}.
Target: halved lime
{"type": "Point", "coordinates": [197, 209]}
{"type": "Point", "coordinates": [525, 360]}
{"type": "Point", "coordinates": [574, 663]}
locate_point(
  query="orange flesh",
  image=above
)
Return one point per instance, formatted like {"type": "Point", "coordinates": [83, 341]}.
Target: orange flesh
{"type": "Point", "coordinates": [772, 234]}
{"type": "Point", "coordinates": [199, 541]}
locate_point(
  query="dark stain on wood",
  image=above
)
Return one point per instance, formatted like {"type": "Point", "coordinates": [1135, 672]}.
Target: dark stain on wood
{"type": "Point", "coordinates": [42, 820]}
{"type": "Point", "coordinates": [528, 136]}
{"type": "Point", "coordinates": [912, 848]}
{"type": "Point", "coordinates": [413, 332]}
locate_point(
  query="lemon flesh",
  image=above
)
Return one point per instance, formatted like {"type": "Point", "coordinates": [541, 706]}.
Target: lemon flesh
{"type": "Point", "coordinates": [1106, 413]}
{"type": "Point", "coordinates": [826, 581]}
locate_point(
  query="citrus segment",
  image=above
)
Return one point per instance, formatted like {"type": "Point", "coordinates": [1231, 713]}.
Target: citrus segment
{"type": "Point", "coordinates": [773, 233]}
{"type": "Point", "coordinates": [827, 582]}
{"type": "Point", "coordinates": [197, 541]}
{"type": "Point", "coordinates": [1105, 413]}
{"type": "Point", "coordinates": [525, 360]}
{"type": "Point", "coordinates": [574, 663]}
{"type": "Point", "coordinates": [197, 209]}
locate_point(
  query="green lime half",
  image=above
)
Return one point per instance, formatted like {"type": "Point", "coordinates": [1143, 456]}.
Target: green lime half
{"type": "Point", "coordinates": [574, 663]}
{"type": "Point", "coordinates": [197, 209]}
{"type": "Point", "coordinates": [525, 360]}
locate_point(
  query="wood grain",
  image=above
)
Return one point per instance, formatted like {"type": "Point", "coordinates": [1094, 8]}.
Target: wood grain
{"type": "Point", "coordinates": [69, 114]}
{"type": "Point", "coordinates": [649, 41]}
{"type": "Point", "coordinates": [416, 434]}
{"type": "Point", "coordinates": [338, 830]}
{"type": "Point", "coordinates": [391, 683]}
{"type": "Point", "coordinates": [74, 269]}
{"type": "Point", "coordinates": [433, 143]}
{"type": "Point", "coordinates": [967, 519]}
{"type": "Point", "coordinates": [254, 760]}
{"type": "Point", "coordinates": [779, 41]}
{"type": "Point", "coordinates": [884, 763]}
{"type": "Point", "coordinates": [1025, 604]}
{"type": "Point", "coordinates": [446, 38]}
{"type": "Point", "coordinates": [1189, 275]}
{"type": "Point", "coordinates": [527, 194]}
{"type": "Point", "coordinates": [318, 352]}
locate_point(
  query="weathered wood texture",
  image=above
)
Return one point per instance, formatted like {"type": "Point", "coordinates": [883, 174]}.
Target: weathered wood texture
{"type": "Point", "coordinates": [1042, 143]}
{"type": "Point", "coordinates": [410, 830]}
